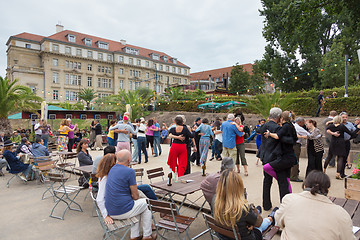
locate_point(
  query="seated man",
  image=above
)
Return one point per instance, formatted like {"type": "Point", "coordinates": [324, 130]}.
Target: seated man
{"type": "Point", "coordinates": [208, 185]}
{"type": "Point", "coordinates": [108, 149]}
{"type": "Point", "coordinates": [38, 148]}
{"type": "Point", "coordinates": [24, 147]}
{"type": "Point", "coordinates": [122, 197]}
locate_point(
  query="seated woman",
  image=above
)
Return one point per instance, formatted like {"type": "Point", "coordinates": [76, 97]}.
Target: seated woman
{"type": "Point", "coordinates": [15, 164]}
{"type": "Point", "coordinates": [230, 208]}
{"type": "Point", "coordinates": [328, 220]}
{"type": "Point", "coordinates": [84, 156]}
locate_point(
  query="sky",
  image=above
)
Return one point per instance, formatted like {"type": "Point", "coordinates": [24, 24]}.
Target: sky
{"type": "Point", "coordinates": [203, 34]}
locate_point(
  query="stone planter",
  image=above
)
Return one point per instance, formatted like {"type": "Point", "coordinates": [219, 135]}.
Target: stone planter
{"type": "Point", "coordinates": [352, 188]}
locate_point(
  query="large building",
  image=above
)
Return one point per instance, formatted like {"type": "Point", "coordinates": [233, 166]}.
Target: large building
{"type": "Point", "coordinates": [57, 67]}
{"type": "Point", "coordinates": [215, 78]}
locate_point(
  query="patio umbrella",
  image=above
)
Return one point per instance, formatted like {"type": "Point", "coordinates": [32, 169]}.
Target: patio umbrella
{"type": "Point", "coordinates": [210, 105]}
{"type": "Point", "coordinates": [231, 103]}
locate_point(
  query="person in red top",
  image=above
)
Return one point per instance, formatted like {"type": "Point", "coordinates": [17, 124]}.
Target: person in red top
{"type": "Point", "coordinates": [240, 148]}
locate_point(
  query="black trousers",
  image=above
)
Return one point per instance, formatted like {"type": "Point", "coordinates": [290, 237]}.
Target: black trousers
{"type": "Point", "coordinates": [188, 165]}
{"type": "Point", "coordinates": [314, 161]}
{"type": "Point", "coordinates": [347, 148]}
{"type": "Point", "coordinates": [70, 144]}
{"type": "Point", "coordinates": [197, 141]}
{"type": "Point", "coordinates": [283, 187]}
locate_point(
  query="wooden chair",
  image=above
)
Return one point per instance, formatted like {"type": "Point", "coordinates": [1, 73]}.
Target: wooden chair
{"type": "Point", "coordinates": [64, 164]}
{"type": "Point", "coordinates": [63, 194]}
{"type": "Point", "coordinates": [215, 227]}
{"type": "Point", "coordinates": [158, 173]}
{"type": "Point", "coordinates": [169, 219]}
{"type": "Point", "coordinates": [118, 229]}
{"type": "Point", "coordinates": [139, 174]}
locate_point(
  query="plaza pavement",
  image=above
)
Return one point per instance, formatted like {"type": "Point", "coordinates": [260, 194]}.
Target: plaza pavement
{"type": "Point", "coordinates": [25, 216]}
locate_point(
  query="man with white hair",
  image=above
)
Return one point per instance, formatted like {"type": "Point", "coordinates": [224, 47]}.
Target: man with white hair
{"type": "Point", "coordinates": [269, 150]}
{"type": "Point", "coordinates": [122, 197]}
{"type": "Point", "coordinates": [229, 132]}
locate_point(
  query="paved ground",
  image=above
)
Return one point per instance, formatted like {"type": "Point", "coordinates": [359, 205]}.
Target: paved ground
{"type": "Point", "coordinates": [26, 216]}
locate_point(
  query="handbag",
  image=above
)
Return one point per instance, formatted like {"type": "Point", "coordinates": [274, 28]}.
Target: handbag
{"type": "Point", "coordinates": [25, 158]}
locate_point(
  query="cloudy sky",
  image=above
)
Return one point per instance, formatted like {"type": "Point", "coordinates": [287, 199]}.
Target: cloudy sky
{"type": "Point", "coordinates": [203, 34]}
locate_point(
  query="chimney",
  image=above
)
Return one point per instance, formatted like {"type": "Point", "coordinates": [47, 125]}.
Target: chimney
{"type": "Point", "coordinates": [123, 42]}
{"type": "Point", "coordinates": [59, 28]}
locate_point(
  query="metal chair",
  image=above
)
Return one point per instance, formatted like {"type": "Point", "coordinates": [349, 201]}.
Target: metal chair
{"type": "Point", "coordinates": [158, 173]}
{"type": "Point", "coordinates": [215, 227]}
{"type": "Point", "coordinates": [170, 220]}
{"type": "Point", "coordinates": [117, 230]}
{"type": "Point", "coordinates": [63, 194]}
{"type": "Point", "coordinates": [139, 173]}
{"type": "Point", "coordinates": [15, 174]}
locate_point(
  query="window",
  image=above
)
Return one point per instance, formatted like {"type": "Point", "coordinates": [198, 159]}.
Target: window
{"type": "Point", "coordinates": [147, 85]}
{"type": "Point", "coordinates": [147, 63]}
{"type": "Point", "coordinates": [89, 67]}
{"type": "Point", "coordinates": [147, 75]}
{"type": "Point", "coordinates": [104, 83]}
{"type": "Point", "coordinates": [173, 69]}
{"type": "Point", "coordinates": [131, 50]}
{"type": "Point", "coordinates": [97, 116]}
{"type": "Point", "coordinates": [121, 71]}
{"type": "Point", "coordinates": [155, 56]}
{"type": "Point", "coordinates": [100, 56]}
{"type": "Point", "coordinates": [165, 58]}
{"type": "Point", "coordinates": [138, 62]}
{"type": "Point", "coordinates": [33, 88]}
{"type": "Point", "coordinates": [121, 59]}
{"type": "Point", "coordinates": [185, 71]}
{"type": "Point", "coordinates": [55, 62]}
{"type": "Point", "coordinates": [78, 52]}
{"type": "Point", "coordinates": [34, 116]}
{"type": "Point", "coordinates": [89, 82]}
{"type": "Point", "coordinates": [167, 68]}
{"type": "Point", "coordinates": [79, 65]}
{"type": "Point", "coordinates": [109, 57]}
{"type": "Point", "coordinates": [67, 50]}
{"type": "Point", "coordinates": [110, 117]}
{"type": "Point", "coordinates": [71, 38]}
{"type": "Point", "coordinates": [55, 77]}
{"type": "Point", "coordinates": [87, 41]}
{"type": "Point", "coordinates": [130, 85]}
{"type": "Point", "coordinates": [130, 73]}
{"type": "Point", "coordinates": [137, 85]}
{"type": "Point", "coordinates": [167, 79]}
{"type": "Point", "coordinates": [131, 61]}
{"type": "Point", "coordinates": [55, 47]}
{"type": "Point", "coordinates": [99, 82]}
{"type": "Point", "coordinates": [52, 116]}
{"type": "Point", "coordinates": [102, 45]}
{"type": "Point", "coordinates": [27, 45]}
{"type": "Point", "coordinates": [185, 81]}
{"type": "Point", "coordinates": [161, 67]}
{"type": "Point", "coordinates": [174, 60]}
{"type": "Point", "coordinates": [179, 70]}
{"type": "Point", "coordinates": [71, 96]}
{"type": "Point", "coordinates": [121, 84]}
{"type": "Point", "coordinates": [55, 94]}
{"type": "Point", "coordinates": [83, 116]}
{"type": "Point", "coordinates": [89, 54]}
{"type": "Point", "coordinates": [72, 79]}
{"type": "Point", "coordinates": [68, 116]}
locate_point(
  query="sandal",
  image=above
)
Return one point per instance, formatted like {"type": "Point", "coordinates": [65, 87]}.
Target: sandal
{"type": "Point", "coordinates": [246, 173]}
{"type": "Point", "coordinates": [349, 165]}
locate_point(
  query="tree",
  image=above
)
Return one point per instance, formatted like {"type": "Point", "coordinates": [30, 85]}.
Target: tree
{"type": "Point", "coordinates": [70, 106]}
{"type": "Point", "coordinates": [240, 79]}
{"type": "Point", "coordinates": [15, 98]}
{"type": "Point", "coordinates": [175, 93]}
{"type": "Point", "coordinates": [257, 79]}
{"type": "Point", "coordinates": [87, 94]}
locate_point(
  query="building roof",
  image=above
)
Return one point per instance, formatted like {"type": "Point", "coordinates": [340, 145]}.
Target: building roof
{"type": "Point", "coordinates": [53, 108]}
{"type": "Point", "coordinates": [114, 46]}
{"type": "Point", "coordinates": [218, 73]}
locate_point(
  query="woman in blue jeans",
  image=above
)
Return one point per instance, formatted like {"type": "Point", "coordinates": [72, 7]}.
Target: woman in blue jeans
{"type": "Point", "coordinates": [141, 140]}
{"type": "Point", "coordinates": [217, 145]}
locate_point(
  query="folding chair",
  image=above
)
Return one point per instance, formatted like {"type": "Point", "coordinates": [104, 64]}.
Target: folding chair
{"type": "Point", "coordinates": [169, 219]}
{"type": "Point", "coordinates": [63, 194]}
{"type": "Point", "coordinates": [117, 230]}
{"type": "Point", "coordinates": [94, 185]}
{"type": "Point", "coordinates": [64, 164]}
{"type": "Point", "coordinates": [157, 173]}
{"type": "Point", "coordinates": [139, 173]}
{"type": "Point", "coordinates": [43, 165]}
{"type": "Point", "coordinates": [215, 227]}
{"type": "Point", "coordinates": [15, 174]}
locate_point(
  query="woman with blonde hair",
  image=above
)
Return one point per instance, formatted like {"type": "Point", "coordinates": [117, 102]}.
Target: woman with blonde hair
{"type": "Point", "coordinates": [337, 144]}
{"type": "Point", "coordinates": [63, 137]}
{"type": "Point", "coordinates": [231, 207]}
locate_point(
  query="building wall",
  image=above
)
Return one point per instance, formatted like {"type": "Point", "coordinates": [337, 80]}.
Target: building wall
{"type": "Point", "coordinates": [36, 68]}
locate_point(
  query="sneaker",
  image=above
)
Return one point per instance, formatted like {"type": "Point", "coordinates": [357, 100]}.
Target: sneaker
{"type": "Point", "coordinates": [272, 215]}
{"type": "Point", "coordinates": [212, 158]}
{"type": "Point", "coordinates": [23, 177]}
{"type": "Point", "coordinates": [159, 153]}
{"type": "Point", "coordinates": [259, 209]}
{"type": "Point", "coordinates": [1, 173]}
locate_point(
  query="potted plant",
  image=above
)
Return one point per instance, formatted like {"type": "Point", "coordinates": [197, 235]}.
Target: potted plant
{"type": "Point", "coordinates": [352, 182]}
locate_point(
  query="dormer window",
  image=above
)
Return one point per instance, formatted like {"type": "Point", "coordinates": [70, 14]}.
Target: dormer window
{"type": "Point", "coordinates": [155, 56]}
{"type": "Point", "coordinates": [174, 60]}
{"type": "Point", "coordinates": [131, 50]}
{"type": "Point", "coordinates": [87, 42]}
{"type": "Point", "coordinates": [71, 38]}
{"type": "Point", "coordinates": [103, 45]}
{"type": "Point", "coordinates": [165, 58]}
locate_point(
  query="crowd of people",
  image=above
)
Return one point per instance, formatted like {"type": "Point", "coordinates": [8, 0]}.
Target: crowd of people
{"type": "Point", "coordinates": [279, 141]}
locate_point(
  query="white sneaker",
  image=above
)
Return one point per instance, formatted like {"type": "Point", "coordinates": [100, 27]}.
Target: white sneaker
{"type": "Point", "coordinates": [23, 178]}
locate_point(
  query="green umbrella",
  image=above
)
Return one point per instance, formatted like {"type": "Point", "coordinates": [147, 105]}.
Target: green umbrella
{"type": "Point", "coordinates": [231, 103]}
{"type": "Point", "coordinates": [210, 105]}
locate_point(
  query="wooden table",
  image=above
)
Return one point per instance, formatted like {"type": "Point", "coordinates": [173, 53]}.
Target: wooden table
{"type": "Point", "coordinates": [183, 188]}
{"type": "Point", "coordinates": [85, 169]}
{"type": "Point", "coordinates": [352, 207]}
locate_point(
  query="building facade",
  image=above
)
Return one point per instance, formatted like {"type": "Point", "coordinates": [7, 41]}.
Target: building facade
{"type": "Point", "coordinates": [59, 66]}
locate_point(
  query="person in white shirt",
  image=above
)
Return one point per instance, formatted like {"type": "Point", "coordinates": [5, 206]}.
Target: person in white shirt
{"type": "Point", "coordinates": [141, 140]}
{"type": "Point", "coordinates": [300, 131]}
{"type": "Point", "coordinates": [37, 128]}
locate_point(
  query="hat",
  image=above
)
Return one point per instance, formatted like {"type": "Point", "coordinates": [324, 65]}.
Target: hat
{"type": "Point", "coordinates": [197, 119]}
{"type": "Point", "coordinates": [227, 163]}
{"type": "Point", "coordinates": [24, 140]}
{"type": "Point", "coordinates": [142, 119]}
{"type": "Point", "coordinates": [8, 143]}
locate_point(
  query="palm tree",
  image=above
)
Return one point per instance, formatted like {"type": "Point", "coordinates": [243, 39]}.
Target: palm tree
{"type": "Point", "coordinates": [262, 103]}
{"type": "Point", "coordinates": [175, 93]}
{"type": "Point", "coordinates": [15, 98]}
{"type": "Point", "coordinates": [87, 94]}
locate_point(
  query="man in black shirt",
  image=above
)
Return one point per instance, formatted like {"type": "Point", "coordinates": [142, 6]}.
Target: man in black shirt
{"type": "Point", "coordinates": [320, 100]}
{"type": "Point", "coordinates": [197, 139]}
{"type": "Point", "coordinates": [98, 134]}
